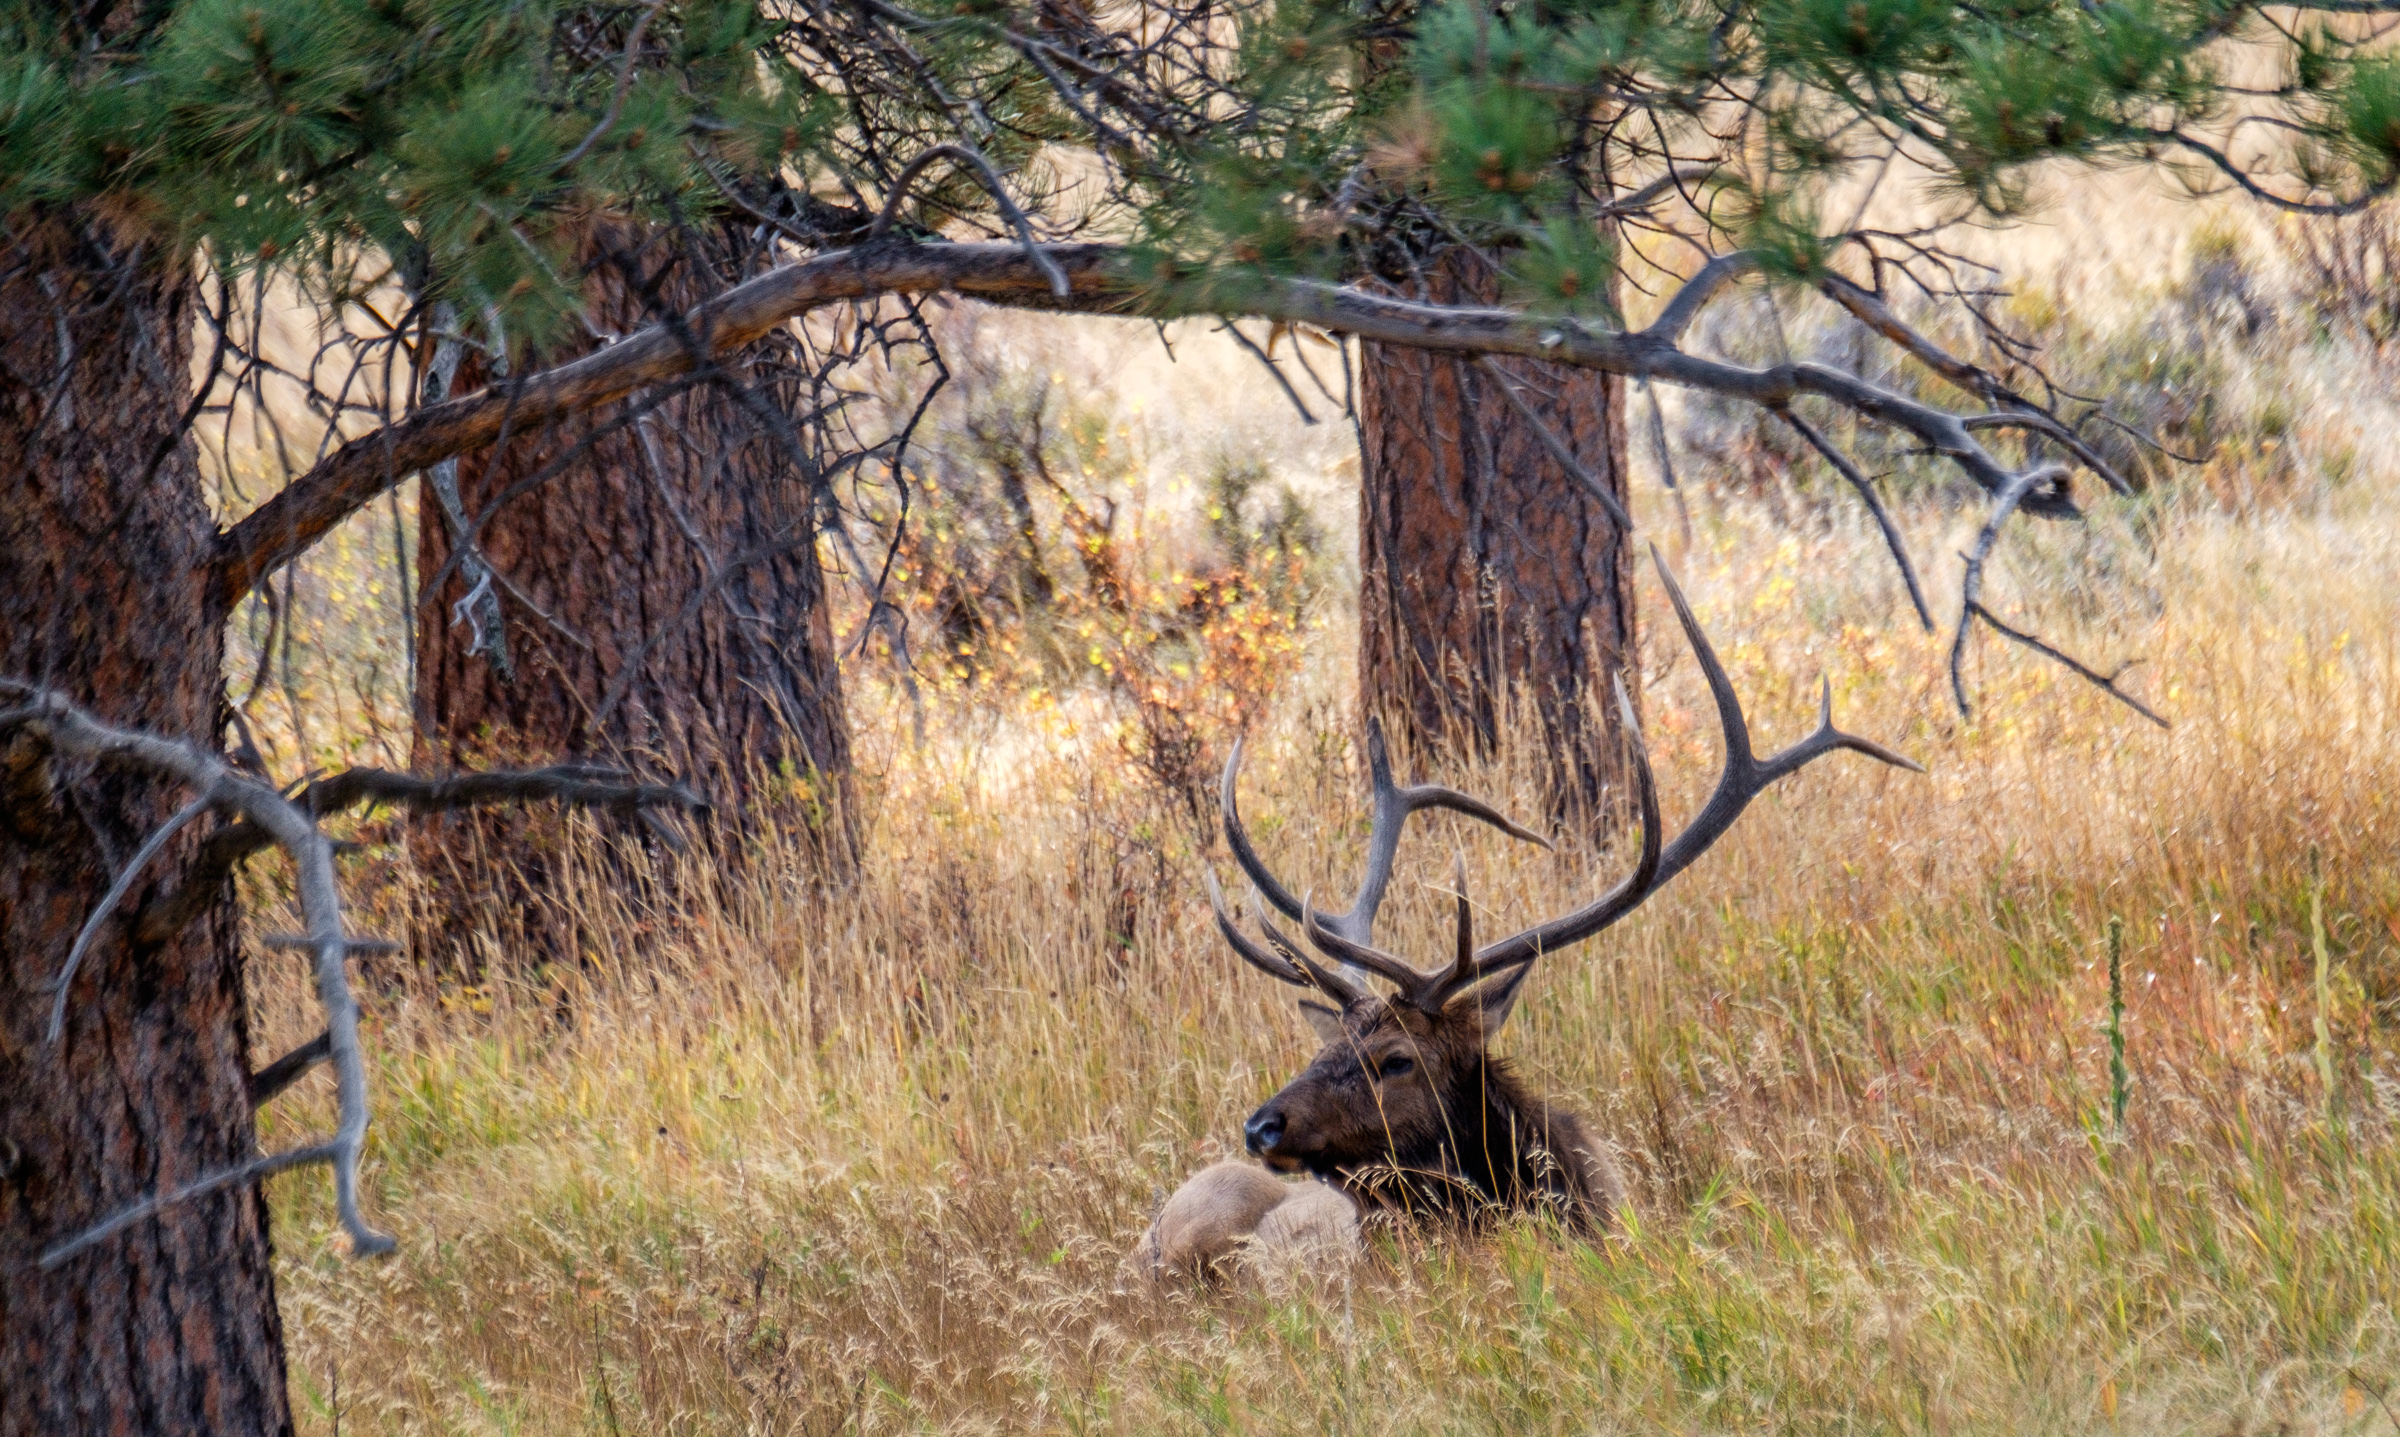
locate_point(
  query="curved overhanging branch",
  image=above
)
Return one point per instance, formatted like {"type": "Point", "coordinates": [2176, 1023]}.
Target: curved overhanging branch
{"type": "Point", "coordinates": [1109, 279]}
{"type": "Point", "coordinates": [1102, 280]}
{"type": "Point", "coordinates": [308, 508]}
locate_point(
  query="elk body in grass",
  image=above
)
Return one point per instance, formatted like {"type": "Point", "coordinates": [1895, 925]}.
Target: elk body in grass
{"type": "Point", "coordinates": [1405, 1109]}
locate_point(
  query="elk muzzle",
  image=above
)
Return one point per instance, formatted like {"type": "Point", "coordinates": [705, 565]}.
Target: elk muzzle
{"type": "Point", "coordinates": [1269, 1136]}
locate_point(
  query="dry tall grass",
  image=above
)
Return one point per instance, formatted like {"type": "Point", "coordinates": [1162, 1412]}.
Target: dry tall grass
{"type": "Point", "coordinates": [867, 1161]}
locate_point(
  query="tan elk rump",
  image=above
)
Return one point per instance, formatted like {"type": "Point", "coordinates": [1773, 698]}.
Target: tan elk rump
{"type": "Point", "coordinates": [1405, 1111]}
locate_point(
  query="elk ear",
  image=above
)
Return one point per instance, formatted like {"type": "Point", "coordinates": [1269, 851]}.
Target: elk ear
{"type": "Point", "coordinates": [1326, 1021]}
{"type": "Point", "coordinates": [1496, 999]}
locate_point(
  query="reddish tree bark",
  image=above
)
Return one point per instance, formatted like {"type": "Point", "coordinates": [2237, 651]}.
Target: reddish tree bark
{"type": "Point", "coordinates": [107, 593]}
{"type": "Point", "coordinates": [1486, 570]}
{"type": "Point", "coordinates": [677, 622]}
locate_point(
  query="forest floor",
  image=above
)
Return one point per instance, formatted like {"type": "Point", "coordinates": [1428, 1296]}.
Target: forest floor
{"type": "Point", "coordinates": [869, 1160]}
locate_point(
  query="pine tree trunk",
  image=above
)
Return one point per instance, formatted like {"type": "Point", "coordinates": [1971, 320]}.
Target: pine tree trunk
{"type": "Point", "coordinates": [682, 627]}
{"type": "Point", "coordinates": [1488, 574]}
{"type": "Point", "coordinates": [170, 1326]}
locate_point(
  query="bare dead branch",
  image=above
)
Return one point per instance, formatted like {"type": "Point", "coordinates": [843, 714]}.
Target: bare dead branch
{"type": "Point", "coordinates": [224, 850]}
{"type": "Point", "coordinates": [2047, 425]}
{"type": "Point", "coordinates": [487, 631]}
{"type": "Point", "coordinates": [1676, 177]}
{"type": "Point", "coordinates": [268, 818]}
{"type": "Point", "coordinates": [2106, 683]}
{"type": "Point", "coordinates": [71, 730]}
{"type": "Point", "coordinates": [973, 159]}
{"type": "Point", "coordinates": [1267, 362]}
{"type": "Point", "coordinates": [115, 895]}
{"type": "Point", "coordinates": [375, 1243]}
{"type": "Point", "coordinates": [1971, 583]}
{"type": "Point", "coordinates": [1872, 312]}
{"type": "Point", "coordinates": [1697, 291]}
{"type": "Point", "coordinates": [1866, 492]}
{"type": "Point", "coordinates": [269, 1082]}
{"type": "Point", "coordinates": [2017, 412]}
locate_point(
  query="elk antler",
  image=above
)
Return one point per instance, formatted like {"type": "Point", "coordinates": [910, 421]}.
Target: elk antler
{"type": "Point", "coordinates": [1286, 962]}
{"type": "Point", "coordinates": [1344, 937]}
{"type": "Point", "coordinates": [1392, 806]}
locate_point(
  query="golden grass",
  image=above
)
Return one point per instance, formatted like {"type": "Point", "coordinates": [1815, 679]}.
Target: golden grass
{"type": "Point", "coordinates": [868, 1161]}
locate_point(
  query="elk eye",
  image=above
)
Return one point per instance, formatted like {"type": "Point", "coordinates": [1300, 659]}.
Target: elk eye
{"type": "Point", "coordinates": [1396, 1066]}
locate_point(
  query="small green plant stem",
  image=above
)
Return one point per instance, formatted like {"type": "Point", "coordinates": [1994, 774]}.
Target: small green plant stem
{"type": "Point", "coordinates": [2119, 1081]}
{"type": "Point", "coordinates": [2316, 939]}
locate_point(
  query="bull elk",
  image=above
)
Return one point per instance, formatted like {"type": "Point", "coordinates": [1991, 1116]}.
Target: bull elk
{"type": "Point", "coordinates": [1405, 1109]}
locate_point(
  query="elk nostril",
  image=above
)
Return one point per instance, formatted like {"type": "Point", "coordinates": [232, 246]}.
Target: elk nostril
{"type": "Point", "coordinates": [1263, 1131]}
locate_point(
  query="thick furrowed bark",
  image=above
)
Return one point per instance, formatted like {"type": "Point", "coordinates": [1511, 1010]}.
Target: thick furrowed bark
{"type": "Point", "coordinates": [106, 595]}
{"type": "Point", "coordinates": [1486, 570]}
{"type": "Point", "coordinates": [683, 628]}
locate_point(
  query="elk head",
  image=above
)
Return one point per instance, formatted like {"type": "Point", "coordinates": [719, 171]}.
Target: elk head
{"type": "Point", "coordinates": [1405, 1092]}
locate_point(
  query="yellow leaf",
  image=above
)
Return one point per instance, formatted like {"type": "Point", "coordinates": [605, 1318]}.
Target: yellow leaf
{"type": "Point", "coordinates": [2108, 1399]}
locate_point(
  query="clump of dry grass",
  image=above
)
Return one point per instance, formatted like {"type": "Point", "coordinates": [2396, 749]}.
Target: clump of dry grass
{"type": "Point", "coordinates": [868, 1160]}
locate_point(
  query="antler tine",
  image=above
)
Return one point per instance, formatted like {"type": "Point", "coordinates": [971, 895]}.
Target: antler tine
{"type": "Point", "coordinates": [1434, 795]}
{"type": "Point", "coordinates": [1392, 806]}
{"type": "Point", "coordinates": [1375, 960]}
{"type": "Point", "coordinates": [1243, 944]}
{"type": "Point", "coordinates": [1735, 723]}
{"type": "Point", "coordinates": [1390, 815]}
{"type": "Point", "coordinates": [1462, 967]}
{"type": "Point", "coordinates": [1237, 838]}
{"type": "Point", "coordinates": [1280, 964]}
{"type": "Point", "coordinates": [1826, 739]}
{"type": "Point", "coordinates": [1744, 777]}
{"type": "Point", "coordinates": [1335, 983]}
{"type": "Point", "coordinates": [1628, 895]}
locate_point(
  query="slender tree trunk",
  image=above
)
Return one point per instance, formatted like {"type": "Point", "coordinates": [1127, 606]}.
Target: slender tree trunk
{"type": "Point", "coordinates": [170, 1326]}
{"type": "Point", "coordinates": [1488, 574]}
{"type": "Point", "coordinates": [665, 613]}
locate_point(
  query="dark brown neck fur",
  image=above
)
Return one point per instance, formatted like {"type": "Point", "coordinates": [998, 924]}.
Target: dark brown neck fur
{"type": "Point", "coordinates": [1510, 1151]}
